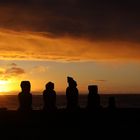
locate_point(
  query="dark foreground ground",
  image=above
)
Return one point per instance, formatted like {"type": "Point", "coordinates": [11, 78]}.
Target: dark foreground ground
{"type": "Point", "coordinates": [103, 124]}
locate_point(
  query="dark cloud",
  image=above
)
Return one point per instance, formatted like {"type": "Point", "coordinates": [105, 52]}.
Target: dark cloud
{"type": "Point", "coordinates": [101, 80]}
{"type": "Point", "coordinates": [14, 71]}
{"type": "Point", "coordinates": [92, 19]}
{"type": "Point", "coordinates": [13, 64]}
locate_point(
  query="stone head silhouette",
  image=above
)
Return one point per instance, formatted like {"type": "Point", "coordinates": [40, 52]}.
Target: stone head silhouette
{"type": "Point", "coordinates": [69, 79]}
{"type": "Point", "coordinates": [25, 86]}
{"type": "Point", "coordinates": [71, 82]}
{"type": "Point", "coordinates": [49, 86]}
{"type": "Point", "coordinates": [93, 89]}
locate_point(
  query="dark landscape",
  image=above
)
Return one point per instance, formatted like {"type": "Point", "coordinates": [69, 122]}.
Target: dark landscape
{"type": "Point", "coordinates": [64, 124]}
{"type": "Point", "coordinates": [124, 120]}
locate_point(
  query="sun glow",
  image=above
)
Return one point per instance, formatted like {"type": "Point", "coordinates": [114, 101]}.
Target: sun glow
{"type": "Point", "coordinates": [4, 86]}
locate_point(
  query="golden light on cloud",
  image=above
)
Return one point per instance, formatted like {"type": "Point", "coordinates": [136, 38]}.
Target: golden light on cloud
{"type": "Point", "coordinates": [40, 46]}
{"type": "Point", "coordinates": [10, 75]}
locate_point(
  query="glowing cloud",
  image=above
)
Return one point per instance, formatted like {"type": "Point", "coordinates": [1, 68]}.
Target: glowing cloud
{"type": "Point", "coordinates": [69, 30]}
{"type": "Point", "coordinates": [10, 72]}
{"type": "Point", "coordinates": [25, 46]}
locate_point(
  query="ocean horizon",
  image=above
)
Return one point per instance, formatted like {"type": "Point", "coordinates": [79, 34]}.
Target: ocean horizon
{"type": "Point", "coordinates": [10, 102]}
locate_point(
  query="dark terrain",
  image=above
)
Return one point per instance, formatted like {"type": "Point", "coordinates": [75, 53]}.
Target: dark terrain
{"type": "Point", "coordinates": [64, 124]}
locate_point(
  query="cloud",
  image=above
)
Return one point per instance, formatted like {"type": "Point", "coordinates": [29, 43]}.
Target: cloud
{"type": "Point", "coordinates": [12, 71]}
{"type": "Point", "coordinates": [13, 64]}
{"type": "Point", "coordinates": [39, 69]}
{"type": "Point", "coordinates": [100, 80]}
{"type": "Point", "coordinates": [36, 46]}
{"type": "Point", "coordinates": [2, 70]}
{"type": "Point", "coordinates": [96, 20]}
{"type": "Point", "coordinates": [69, 30]}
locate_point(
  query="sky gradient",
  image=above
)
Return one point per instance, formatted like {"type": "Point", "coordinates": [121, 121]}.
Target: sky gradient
{"type": "Point", "coordinates": [96, 42]}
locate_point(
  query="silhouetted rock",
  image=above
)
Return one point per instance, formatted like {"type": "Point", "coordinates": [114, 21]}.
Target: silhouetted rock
{"type": "Point", "coordinates": [72, 94]}
{"type": "Point", "coordinates": [25, 97]}
{"type": "Point", "coordinates": [49, 97]}
{"type": "Point", "coordinates": [93, 98]}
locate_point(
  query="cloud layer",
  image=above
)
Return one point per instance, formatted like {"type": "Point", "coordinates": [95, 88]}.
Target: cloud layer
{"type": "Point", "coordinates": [97, 20]}
{"type": "Point", "coordinates": [25, 46]}
{"type": "Point", "coordinates": [69, 30]}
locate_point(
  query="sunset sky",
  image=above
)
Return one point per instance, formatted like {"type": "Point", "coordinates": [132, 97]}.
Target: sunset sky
{"type": "Point", "coordinates": [96, 42]}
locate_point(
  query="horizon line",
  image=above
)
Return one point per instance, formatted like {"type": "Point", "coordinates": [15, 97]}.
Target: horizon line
{"type": "Point", "coordinates": [64, 93]}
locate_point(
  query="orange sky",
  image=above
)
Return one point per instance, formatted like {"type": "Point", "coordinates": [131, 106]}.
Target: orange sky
{"type": "Point", "coordinates": [94, 42]}
{"type": "Point", "coordinates": [114, 66]}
